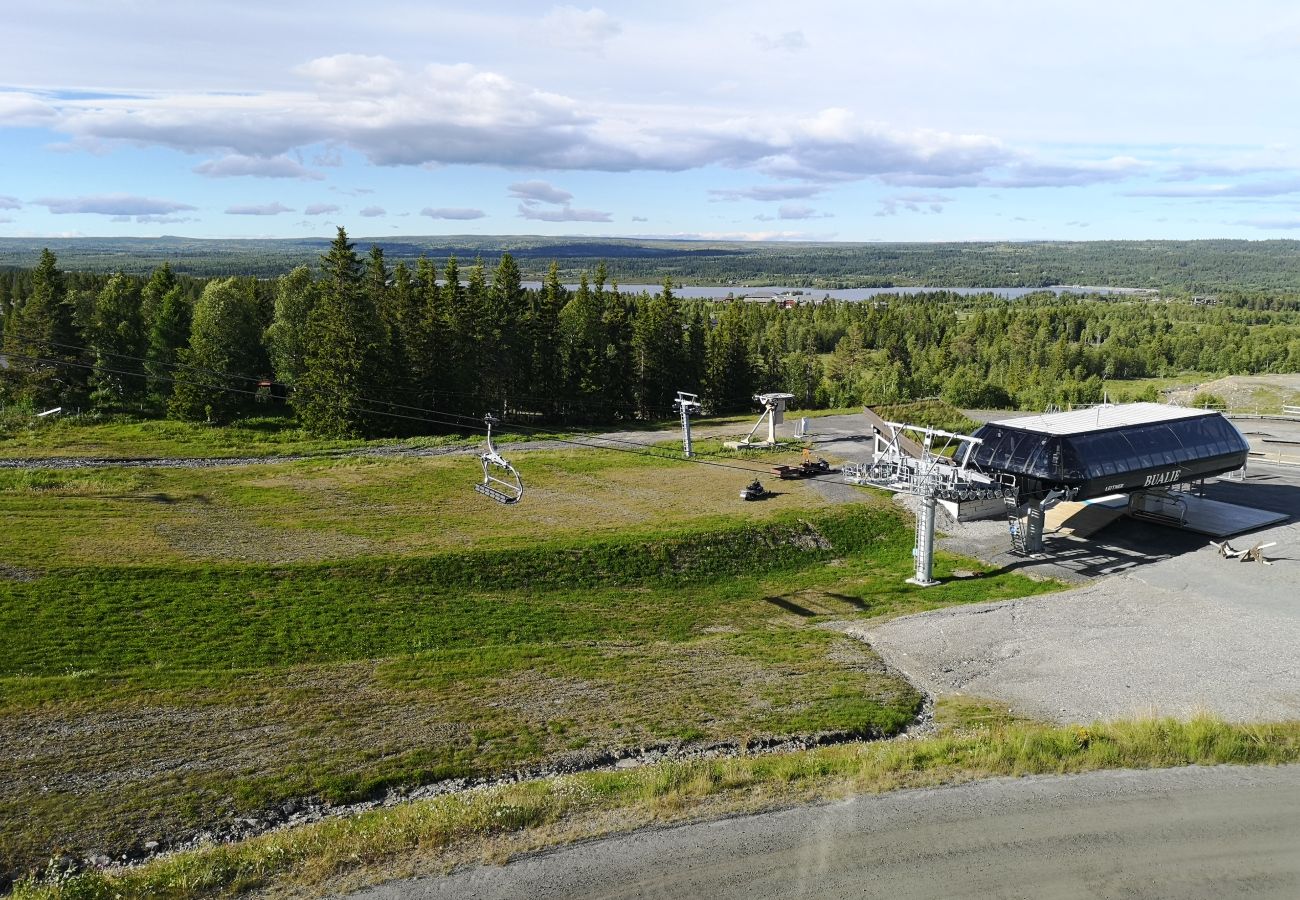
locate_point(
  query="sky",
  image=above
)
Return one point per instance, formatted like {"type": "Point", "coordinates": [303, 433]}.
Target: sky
{"type": "Point", "coordinates": [925, 120]}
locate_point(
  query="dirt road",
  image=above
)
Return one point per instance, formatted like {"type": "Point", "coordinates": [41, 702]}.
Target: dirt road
{"type": "Point", "coordinates": [1185, 833]}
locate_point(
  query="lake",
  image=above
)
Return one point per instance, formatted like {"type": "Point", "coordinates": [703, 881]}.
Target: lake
{"type": "Point", "coordinates": [721, 293]}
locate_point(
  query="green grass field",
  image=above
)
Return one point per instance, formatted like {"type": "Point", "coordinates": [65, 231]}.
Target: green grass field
{"type": "Point", "coordinates": [192, 645]}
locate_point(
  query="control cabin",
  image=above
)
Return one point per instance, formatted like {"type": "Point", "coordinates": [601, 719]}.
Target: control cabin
{"type": "Point", "coordinates": [1110, 449]}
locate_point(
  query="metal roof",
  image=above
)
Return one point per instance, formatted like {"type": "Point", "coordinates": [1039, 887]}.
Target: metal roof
{"type": "Point", "coordinates": [1101, 418]}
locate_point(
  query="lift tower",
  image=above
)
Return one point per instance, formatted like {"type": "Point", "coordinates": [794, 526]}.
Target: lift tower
{"type": "Point", "coordinates": [905, 465]}
{"type": "Point", "coordinates": [687, 404]}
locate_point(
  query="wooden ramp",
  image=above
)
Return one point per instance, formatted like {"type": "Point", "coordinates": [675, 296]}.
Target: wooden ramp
{"type": "Point", "coordinates": [1086, 518]}
{"type": "Point", "coordinates": [905, 443]}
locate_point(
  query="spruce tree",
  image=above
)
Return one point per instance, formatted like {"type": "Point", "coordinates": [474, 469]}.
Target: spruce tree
{"type": "Point", "coordinates": [510, 358]}
{"type": "Point", "coordinates": [117, 338]}
{"type": "Point", "coordinates": [168, 336]}
{"type": "Point", "coordinates": [658, 347]}
{"type": "Point", "coordinates": [544, 337]}
{"type": "Point", "coordinates": [160, 282]}
{"type": "Point", "coordinates": [42, 328]}
{"type": "Point", "coordinates": [728, 382]}
{"type": "Point", "coordinates": [343, 372]}
{"type": "Point", "coordinates": [619, 356]}
{"type": "Point", "coordinates": [582, 331]}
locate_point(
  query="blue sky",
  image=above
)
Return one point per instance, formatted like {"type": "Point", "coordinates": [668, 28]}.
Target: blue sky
{"type": "Point", "coordinates": [852, 121]}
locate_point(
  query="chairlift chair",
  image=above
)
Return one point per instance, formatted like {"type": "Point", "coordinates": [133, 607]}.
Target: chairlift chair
{"type": "Point", "coordinates": [501, 480]}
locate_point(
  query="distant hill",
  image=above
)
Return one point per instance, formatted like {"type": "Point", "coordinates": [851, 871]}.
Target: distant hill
{"type": "Point", "coordinates": [1192, 266]}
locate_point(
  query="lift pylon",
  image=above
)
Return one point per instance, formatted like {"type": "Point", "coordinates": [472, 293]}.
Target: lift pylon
{"type": "Point", "coordinates": [687, 404]}
{"type": "Point", "coordinates": [931, 465]}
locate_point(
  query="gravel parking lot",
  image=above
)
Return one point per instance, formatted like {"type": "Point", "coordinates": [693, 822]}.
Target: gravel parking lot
{"type": "Point", "coordinates": [1159, 623]}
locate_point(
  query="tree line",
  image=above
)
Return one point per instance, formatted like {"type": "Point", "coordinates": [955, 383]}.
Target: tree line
{"type": "Point", "coordinates": [358, 347]}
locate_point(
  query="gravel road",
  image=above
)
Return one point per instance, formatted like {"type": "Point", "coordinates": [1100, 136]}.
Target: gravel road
{"type": "Point", "coordinates": [1184, 833]}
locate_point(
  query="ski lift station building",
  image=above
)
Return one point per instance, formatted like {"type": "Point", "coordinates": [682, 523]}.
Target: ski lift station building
{"type": "Point", "coordinates": [1108, 450]}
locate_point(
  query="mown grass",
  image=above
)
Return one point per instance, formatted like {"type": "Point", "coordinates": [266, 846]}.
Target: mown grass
{"type": "Point", "coordinates": [429, 836]}
{"type": "Point", "coordinates": [276, 433]}
{"type": "Point", "coordinates": [343, 678]}
{"type": "Point", "coordinates": [665, 585]}
{"type": "Point", "coordinates": [351, 507]}
{"type": "Point", "coordinates": [188, 646]}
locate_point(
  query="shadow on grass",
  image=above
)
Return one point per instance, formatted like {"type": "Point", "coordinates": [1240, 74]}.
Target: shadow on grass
{"type": "Point", "coordinates": [791, 607]}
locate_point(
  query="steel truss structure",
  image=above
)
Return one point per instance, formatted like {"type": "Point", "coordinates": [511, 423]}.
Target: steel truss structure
{"type": "Point", "coordinates": [931, 465]}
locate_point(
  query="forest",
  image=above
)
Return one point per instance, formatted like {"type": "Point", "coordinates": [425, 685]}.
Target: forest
{"type": "Point", "coordinates": [359, 345]}
{"type": "Point", "coordinates": [1246, 269]}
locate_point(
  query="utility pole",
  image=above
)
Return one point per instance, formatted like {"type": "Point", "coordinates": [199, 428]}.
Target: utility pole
{"type": "Point", "coordinates": [687, 404]}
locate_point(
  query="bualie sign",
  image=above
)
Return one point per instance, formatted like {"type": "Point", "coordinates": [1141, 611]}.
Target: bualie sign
{"type": "Point", "coordinates": [1110, 449]}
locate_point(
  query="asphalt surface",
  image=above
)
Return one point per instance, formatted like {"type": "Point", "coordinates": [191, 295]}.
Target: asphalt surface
{"type": "Point", "coordinates": [1160, 624]}
{"type": "Point", "coordinates": [1186, 833]}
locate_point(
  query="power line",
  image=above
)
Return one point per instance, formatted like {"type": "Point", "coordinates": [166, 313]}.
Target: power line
{"type": "Point", "coordinates": [469, 421]}
{"type": "Point", "coordinates": [645, 450]}
{"type": "Point", "coordinates": [648, 450]}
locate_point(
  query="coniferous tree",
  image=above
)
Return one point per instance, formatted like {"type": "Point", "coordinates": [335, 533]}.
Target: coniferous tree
{"type": "Point", "coordinates": [117, 337]}
{"type": "Point", "coordinates": [582, 338]}
{"type": "Point", "coordinates": [224, 354]}
{"type": "Point", "coordinates": [337, 394]}
{"type": "Point", "coordinates": [478, 344]}
{"type": "Point", "coordinates": [695, 353]}
{"type": "Point", "coordinates": [510, 354]}
{"type": "Point", "coordinates": [403, 315]}
{"type": "Point", "coordinates": [42, 328]}
{"type": "Point", "coordinates": [657, 342]}
{"type": "Point", "coordinates": [544, 321]}
{"type": "Point", "coordinates": [155, 289]}
{"type": "Point", "coordinates": [426, 336]}
{"type": "Point", "coordinates": [168, 336]}
{"type": "Point", "coordinates": [728, 382]}
{"type": "Point", "coordinates": [619, 357]}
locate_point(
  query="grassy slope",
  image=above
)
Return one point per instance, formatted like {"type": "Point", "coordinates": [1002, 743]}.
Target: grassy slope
{"type": "Point", "coordinates": [192, 645]}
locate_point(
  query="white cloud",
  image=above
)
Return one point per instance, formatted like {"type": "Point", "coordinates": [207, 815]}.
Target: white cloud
{"type": "Point", "coordinates": [793, 211]}
{"type": "Point", "coordinates": [539, 191]}
{"type": "Point", "coordinates": [740, 236]}
{"type": "Point", "coordinates": [257, 167]}
{"type": "Point", "coordinates": [19, 109]}
{"type": "Point", "coordinates": [579, 29]}
{"type": "Point", "coordinates": [439, 115]}
{"type": "Point", "coordinates": [1271, 224]}
{"type": "Point", "coordinates": [10, 203]}
{"type": "Point", "coordinates": [265, 209]}
{"type": "Point", "coordinates": [112, 205]}
{"type": "Point", "coordinates": [452, 212]}
{"type": "Point", "coordinates": [1274, 188]}
{"type": "Point", "coordinates": [798, 211]}
{"type": "Point", "coordinates": [319, 209]}
{"type": "Point", "coordinates": [371, 212]}
{"type": "Point", "coordinates": [768, 192]}
{"type": "Point", "coordinates": [165, 220]}
{"type": "Point", "coordinates": [789, 41]}
{"type": "Point", "coordinates": [565, 213]}
{"type": "Point", "coordinates": [917, 203]}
